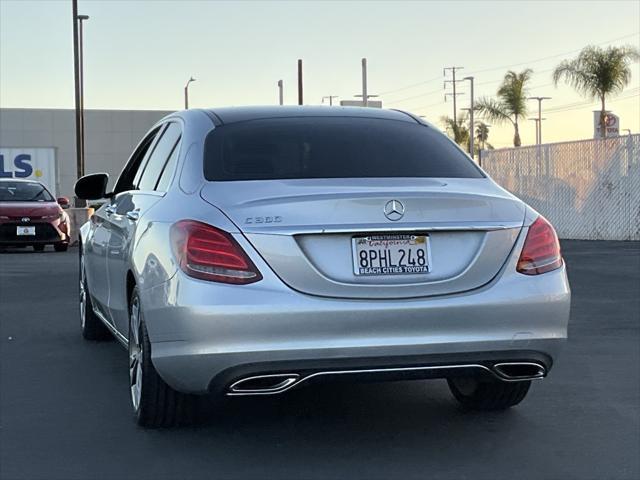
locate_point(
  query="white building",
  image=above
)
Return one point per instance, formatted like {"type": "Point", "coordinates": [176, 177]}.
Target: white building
{"type": "Point", "coordinates": [48, 136]}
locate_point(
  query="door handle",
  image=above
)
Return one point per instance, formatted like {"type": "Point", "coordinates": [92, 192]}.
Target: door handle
{"type": "Point", "coordinates": [133, 215]}
{"type": "Point", "coordinates": [110, 210]}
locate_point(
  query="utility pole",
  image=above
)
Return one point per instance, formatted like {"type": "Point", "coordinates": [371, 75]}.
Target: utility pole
{"type": "Point", "coordinates": [539, 123]}
{"type": "Point", "coordinates": [537, 129]}
{"type": "Point", "coordinates": [471, 109]}
{"type": "Point", "coordinates": [300, 97]}
{"type": "Point", "coordinates": [330, 97]}
{"type": "Point", "coordinates": [280, 92]}
{"type": "Point", "coordinates": [365, 95]}
{"type": "Point", "coordinates": [76, 71]}
{"type": "Point", "coordinates": [186, 93]}
{"type": "Point", "coordinates": [453, 83]}
{"type": "Point", "coordinates": [365, 98]}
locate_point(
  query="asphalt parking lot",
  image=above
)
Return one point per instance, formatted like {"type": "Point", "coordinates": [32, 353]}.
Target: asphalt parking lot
{"type": "Point", "coordinates": [65, 413]}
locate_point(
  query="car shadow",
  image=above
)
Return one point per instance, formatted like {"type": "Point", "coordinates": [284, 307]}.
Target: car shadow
{"type": "Point", "coordinates": [364, 407]}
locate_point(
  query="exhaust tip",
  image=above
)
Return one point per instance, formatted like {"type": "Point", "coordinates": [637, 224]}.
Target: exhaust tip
{"type": "Point", "coordinates": [520, 370]}
{"type": "Point", "coordinates": [263, 384]}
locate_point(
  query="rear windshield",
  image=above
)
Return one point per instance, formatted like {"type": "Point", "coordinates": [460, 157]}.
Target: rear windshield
{"type": "Point", "coordinates": [23, 192]}
{"type": "Point", "coordinates": [330, 147]}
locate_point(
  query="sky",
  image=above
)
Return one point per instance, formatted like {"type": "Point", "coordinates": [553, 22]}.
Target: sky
{"type": "Point", "coordinates": [139, 54]}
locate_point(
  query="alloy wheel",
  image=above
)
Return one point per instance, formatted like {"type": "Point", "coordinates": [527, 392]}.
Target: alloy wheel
{"type": "Point", "coordinates": [135, 355]}
{"type": "Point", "coordinates": [83, 294]}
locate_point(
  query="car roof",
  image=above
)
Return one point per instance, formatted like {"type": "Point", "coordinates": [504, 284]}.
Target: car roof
{"type": "Point", "coordinates": [20, 180]}
{"type": "Point", "coordinates": [242, 114]}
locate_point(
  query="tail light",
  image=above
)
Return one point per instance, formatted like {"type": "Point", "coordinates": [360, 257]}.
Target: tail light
{"type": "Point", "coordinates": [541, 250]}
{"type": "Point", "coordinates": [208, 253]}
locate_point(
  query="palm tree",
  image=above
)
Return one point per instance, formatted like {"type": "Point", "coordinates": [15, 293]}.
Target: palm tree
{"type": "Point", "coordinates": [458, 129]}
{"type": "Point", "coordinates": [482, 134]}
{"type": "Point", "coordinates": [597, 73]}
{"type": "Point", "coordinates": [511, 102]}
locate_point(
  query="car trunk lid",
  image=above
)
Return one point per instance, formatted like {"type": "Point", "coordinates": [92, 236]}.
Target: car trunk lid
{"type": "Point", "coordinates": [304, 229]}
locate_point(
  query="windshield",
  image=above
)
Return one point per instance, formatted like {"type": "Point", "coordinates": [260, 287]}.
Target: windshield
{"type": "Point", "coordinates": [24, 192]}
{"type": "Point", "coordinates": [330, 147]}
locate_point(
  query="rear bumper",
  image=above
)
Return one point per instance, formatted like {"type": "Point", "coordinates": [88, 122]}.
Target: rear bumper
{"type": "Point", "coordinates": [284, 376]}
{"type": "Point", "coordinates": [207, 336]}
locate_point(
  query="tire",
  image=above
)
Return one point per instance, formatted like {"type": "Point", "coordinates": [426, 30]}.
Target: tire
{"type": "Point", "coordinates": [39, 248]}
{"type": "Point", "coordinates": [155, 403]}
{"type": "Point", "coordinates": [60, 247]}
{"type": "Point", "coordinates": [488, 395]}
{"type": "Point", "coordinates": [92, 327]}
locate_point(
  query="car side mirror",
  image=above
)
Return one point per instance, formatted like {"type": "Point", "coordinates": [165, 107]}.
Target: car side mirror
{"type": "Point", "coordinates": [63, 202]}
{"type": "Point", "coordinates": [92, 187]}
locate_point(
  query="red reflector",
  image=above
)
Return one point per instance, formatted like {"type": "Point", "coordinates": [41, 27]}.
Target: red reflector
{"type": "Point", "coordinates": [541, 250]}
{"type": "Point", "coordinates": [208, 253]}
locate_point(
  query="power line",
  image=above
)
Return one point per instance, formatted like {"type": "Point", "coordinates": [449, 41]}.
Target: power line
{"type": "Point", "coordinates": [424, 107]}
{"type": "Point", "coordinates": [407, 87]}
{"type": "Point", "coordinates": [558, 108]}
{"type": "Point", "coordinates": [488, 82]}
{"type": "Point", "coordinates": [411, 86]}
{"type": "Point", "coordinates": [628, 94]}
{"type": "Point", "coordinates": [587, 104]}
{"type": "Point", "coordinates": [552, 56]}
{"type": "Point", "coordinates": [439, 90]}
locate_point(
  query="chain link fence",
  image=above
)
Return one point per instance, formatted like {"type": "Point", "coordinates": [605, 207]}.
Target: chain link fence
{"type": "Point", "coordinates": [588, 189]}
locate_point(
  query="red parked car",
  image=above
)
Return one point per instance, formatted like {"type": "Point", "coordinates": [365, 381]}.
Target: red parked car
{"type": "Point", "coordinates": [30, 215]}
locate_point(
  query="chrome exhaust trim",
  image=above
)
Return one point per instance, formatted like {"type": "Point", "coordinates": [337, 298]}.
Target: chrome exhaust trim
{"type": "Point", "coordinates": [518, 371]}
{"type": "Point", "coordinates": [263, 384]}
{"type": "Point", "coordinates": [281, 382]}
{"type": "Point", "coordinates": [290, 380]}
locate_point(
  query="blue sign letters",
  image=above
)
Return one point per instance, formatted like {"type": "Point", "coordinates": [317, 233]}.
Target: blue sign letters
{"type": "Point", "coordinates": [22, 164]}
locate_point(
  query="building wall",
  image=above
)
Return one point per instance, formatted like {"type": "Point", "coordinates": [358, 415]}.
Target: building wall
{"type": "Point", "coordinates": [110, 136]}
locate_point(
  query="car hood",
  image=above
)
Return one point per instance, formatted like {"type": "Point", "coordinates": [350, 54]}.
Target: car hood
{"type": "Point", "coordinates": [26, 209]}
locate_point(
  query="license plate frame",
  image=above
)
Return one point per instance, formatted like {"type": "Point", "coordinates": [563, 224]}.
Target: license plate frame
{"type": "Point", "coordinates": [394, 262]}
{"type": "Point", "coordinates": [26, 231]}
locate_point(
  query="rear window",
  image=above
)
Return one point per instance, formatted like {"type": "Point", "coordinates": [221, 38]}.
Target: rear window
{"type": "Point", "coordinates": [23, 192]}
{"type": "Point", "coordinates": [330, 147]}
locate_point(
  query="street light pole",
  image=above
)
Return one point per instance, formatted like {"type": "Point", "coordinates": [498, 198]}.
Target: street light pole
{"type": "Point", "coordinates": [81, 18]}
{"type": "Point", "coordinates": [76, 71]}
{"type": "Point", "coordinates": [539, 129]}
{"type": "Point", "coordinates": [186, 93]}
{"type": "Point", "coordinates": [280, 92]}
{"type": "Point", "coordinates": [300, 92]}
{"type": "Point", "coordinates": [471, 109]}
{"type": "Point", "coordinates": [365, 95]}
{"type": "Point", "coordinates": [365, 98]}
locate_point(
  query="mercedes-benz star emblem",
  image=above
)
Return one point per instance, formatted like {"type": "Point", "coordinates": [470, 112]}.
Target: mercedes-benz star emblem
{"type": "Point", "coordinates": [394, 210]}
{"type": "Point", "coordinates": [25, 219]}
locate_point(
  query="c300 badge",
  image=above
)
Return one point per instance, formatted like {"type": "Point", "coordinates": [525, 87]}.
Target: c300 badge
{"type": "Point", "coordinates": [262, 220]}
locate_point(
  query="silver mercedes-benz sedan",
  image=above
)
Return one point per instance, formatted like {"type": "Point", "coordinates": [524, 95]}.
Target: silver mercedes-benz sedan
{"type": "Point", "coordinates": [254, 250]}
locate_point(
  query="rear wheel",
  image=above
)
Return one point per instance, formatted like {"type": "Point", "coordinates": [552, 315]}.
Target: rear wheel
{"type": "Point", "coordinates": [92, 326]}
{"type": "Point", "coordinates": [155, 403]}
{"type": "Point", "coordinates": [488, 395]}
{"type": "Point", "coordinates": [38, 248]}
{"type": "Point", "coordinates": [60, 247]}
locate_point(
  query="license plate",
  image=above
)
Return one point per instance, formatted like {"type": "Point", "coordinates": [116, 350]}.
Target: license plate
{"type": "Point", "coordinates": [26, 231]}
{"type": "Point", "coordinates": [390, 254]}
